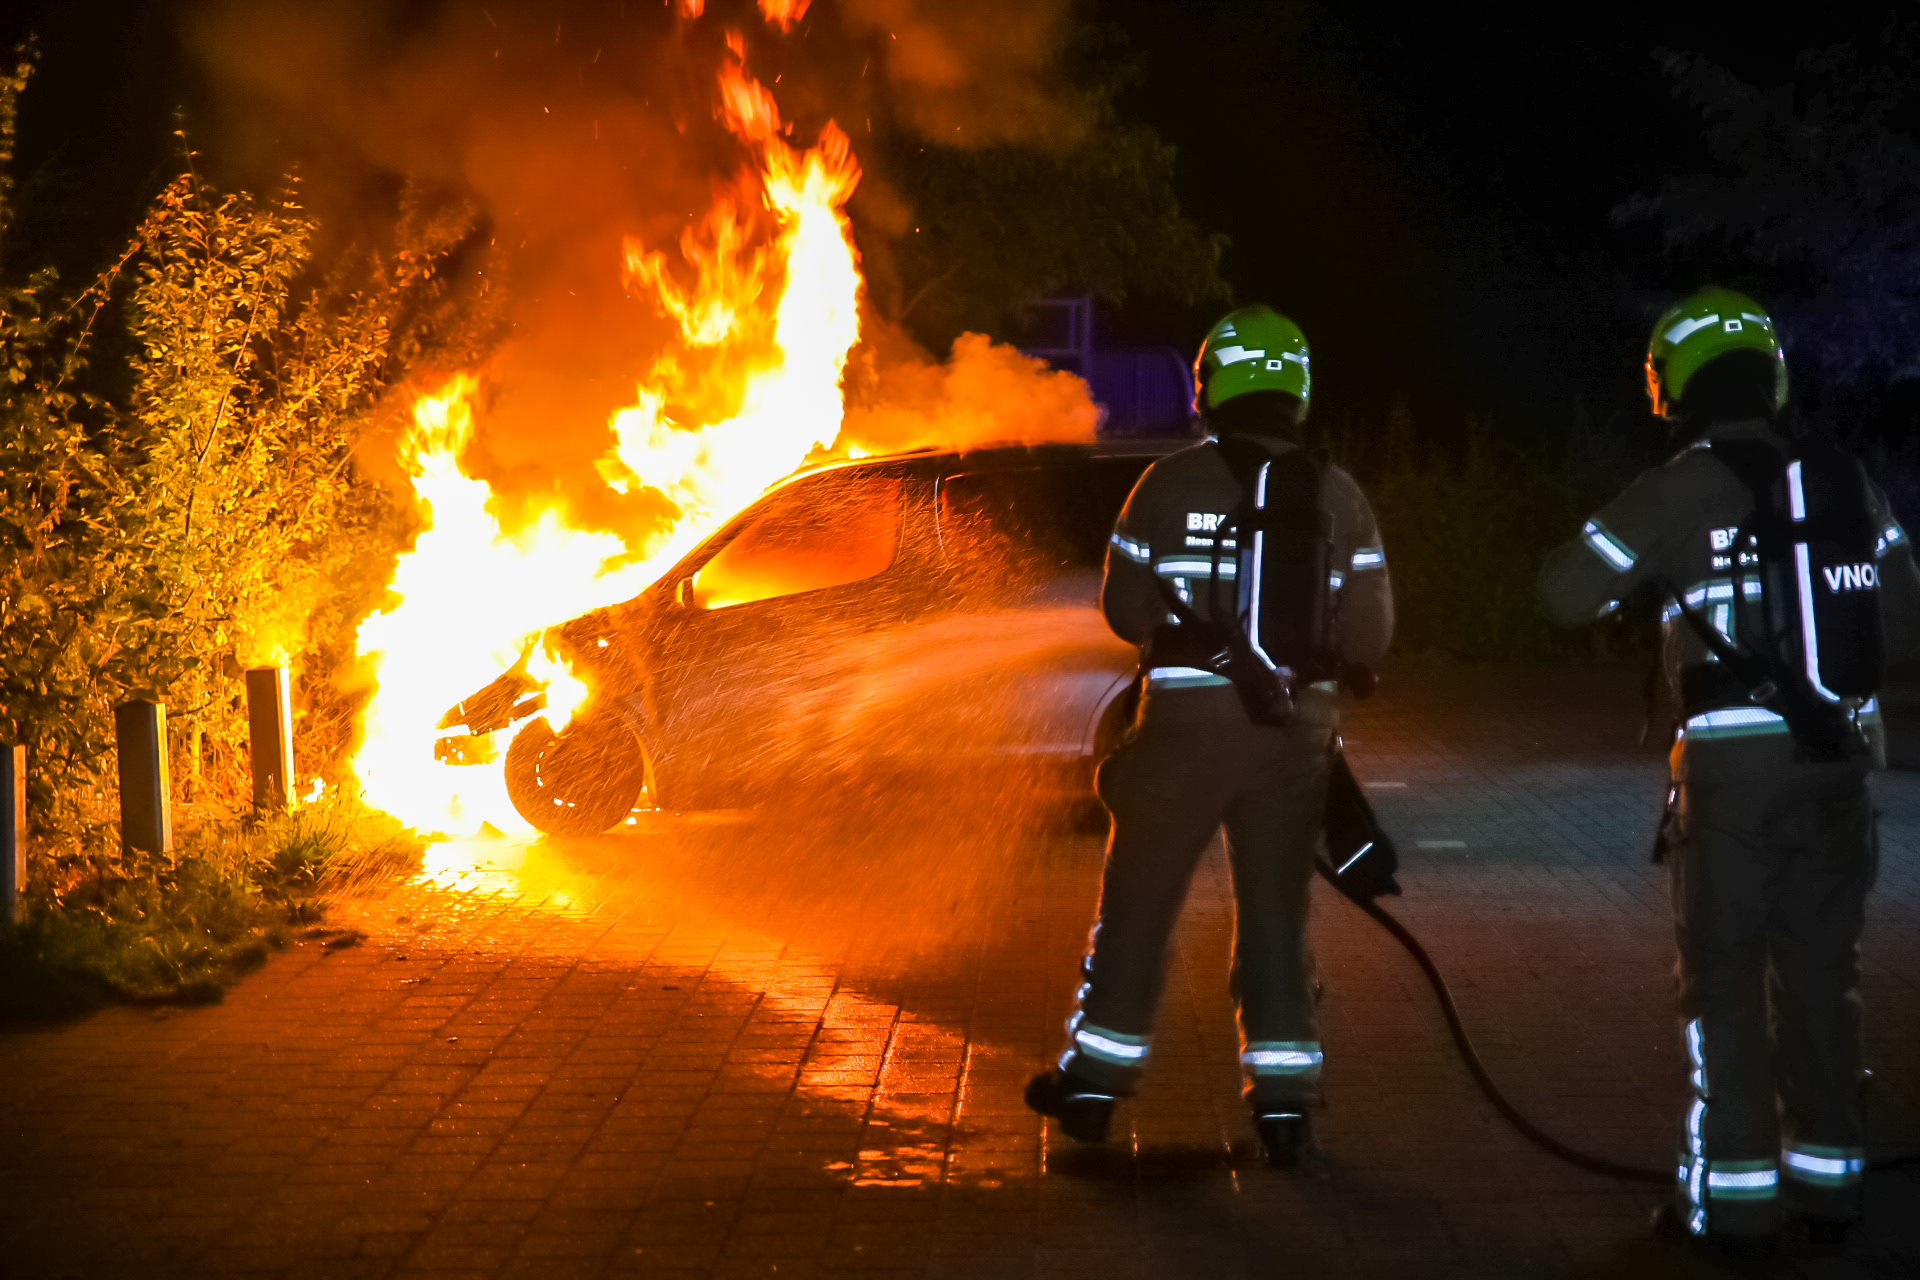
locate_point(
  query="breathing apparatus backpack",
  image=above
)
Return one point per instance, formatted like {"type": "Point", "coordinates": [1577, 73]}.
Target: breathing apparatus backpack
{"type": "Point", "coordinates": [1275, 633]}
{"type": "Point", "coordinates": [1816, 625]}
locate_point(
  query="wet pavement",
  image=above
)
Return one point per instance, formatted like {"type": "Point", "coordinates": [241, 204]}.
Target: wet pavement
{"type": "Point", "coordinates": [793, 1043]}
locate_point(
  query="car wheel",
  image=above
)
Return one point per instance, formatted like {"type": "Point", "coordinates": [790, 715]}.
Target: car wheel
{"type": "Point", "coordinates": [575, 783]}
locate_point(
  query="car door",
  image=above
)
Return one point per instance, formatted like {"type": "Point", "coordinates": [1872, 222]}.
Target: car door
{"type": "Point", "coordinates": [1031, 544]}
{"type": "Point", "coordinates": [758, 621]}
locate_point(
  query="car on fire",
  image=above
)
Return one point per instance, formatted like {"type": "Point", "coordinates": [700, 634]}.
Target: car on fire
{"type": "Point", "coordinates": [889, 616]}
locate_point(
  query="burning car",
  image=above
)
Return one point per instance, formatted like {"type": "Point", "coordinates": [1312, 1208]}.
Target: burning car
{"type": "Point", "coordinates": [887, 616]}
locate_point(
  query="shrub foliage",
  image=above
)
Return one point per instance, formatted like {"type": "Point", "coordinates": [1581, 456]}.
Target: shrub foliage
{"type": "Point", "coordinates": [195, 510]}
{"type": "Point", "coordinates": [1466, 532]}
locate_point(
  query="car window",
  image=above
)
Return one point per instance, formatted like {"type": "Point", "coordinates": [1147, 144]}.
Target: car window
{"type": "Point", "coordinates": [815, 534]}
{"type": "Point", "coordinates": [1054, 519]}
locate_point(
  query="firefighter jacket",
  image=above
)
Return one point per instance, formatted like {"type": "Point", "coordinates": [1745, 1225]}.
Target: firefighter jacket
{"type": "Point", "coordinates": [1675, 527]}
{"type": "Point", "coordinates": [1166, 532]}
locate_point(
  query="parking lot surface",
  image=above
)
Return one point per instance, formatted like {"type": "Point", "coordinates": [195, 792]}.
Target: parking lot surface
{"type": "Point", "coordinates": [793, 1043]}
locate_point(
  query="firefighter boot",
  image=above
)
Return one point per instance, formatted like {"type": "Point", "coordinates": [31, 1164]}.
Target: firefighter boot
{"type": "Point", "coordinates": [1285, 1136]}
{"type": "Point", "coordinates": [1084, 1113]}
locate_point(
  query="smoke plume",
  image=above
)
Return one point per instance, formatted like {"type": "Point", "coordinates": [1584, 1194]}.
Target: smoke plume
{"type": "Point", "coordinates": [983, 393]}
{"type": "Point", "coordinates": [577, 128]}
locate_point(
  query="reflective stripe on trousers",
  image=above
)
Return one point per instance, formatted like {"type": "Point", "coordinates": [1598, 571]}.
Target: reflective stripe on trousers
{"type": "Point", "coordinates": [1298, 1059]}
{"type": "Point", "coordinates": [1115, 1048]}
{"type": "Point", "coordinates": [1701, 1180]}
{"type": "Point", "coordinates": [1096, 1043]}
{"type": "Point", "coordinates": [1693, 1163]}
{"type": "Point", "coordinates": [1829, 1168]}
{"type": "Point", "coordinates": [1743, 1179]}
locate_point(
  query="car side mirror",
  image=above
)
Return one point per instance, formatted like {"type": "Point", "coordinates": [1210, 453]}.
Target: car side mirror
{"type": "Point", "coordinates": [683, 593]}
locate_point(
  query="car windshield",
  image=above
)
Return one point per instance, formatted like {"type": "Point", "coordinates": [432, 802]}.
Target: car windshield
{"type": "Point", "coordinates": [812, 535]}
{"type": "Point", "coordinates": [1036, 520]}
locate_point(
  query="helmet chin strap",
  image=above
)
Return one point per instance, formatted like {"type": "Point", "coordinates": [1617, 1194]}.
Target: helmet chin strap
{"type": "Point", "coordinates": [1273, 428]}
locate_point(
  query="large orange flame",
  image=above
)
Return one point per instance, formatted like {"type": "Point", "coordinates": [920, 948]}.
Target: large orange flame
{"type": "Point", "coordinates": [751, 389]}
{"type": "Point", "coordinates": [729, 276]}
{"type": "Point", "coordinates": [471, 598]}
{"type": "Point", "coordinates": [791, 403]}
{"type": "Point", "coordinates": [474, 597]}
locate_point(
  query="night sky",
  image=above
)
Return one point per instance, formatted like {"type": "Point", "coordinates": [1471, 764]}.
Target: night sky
{"type": "Point", "coordinates": [1428, 192]}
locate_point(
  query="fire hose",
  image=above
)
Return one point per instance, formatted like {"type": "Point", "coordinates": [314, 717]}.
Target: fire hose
{"type": "Point", "coordinates": [1481, 1077]}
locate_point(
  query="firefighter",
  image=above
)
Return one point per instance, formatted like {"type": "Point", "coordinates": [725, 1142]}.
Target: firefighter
{"type": "Point", "coordinates": [1769, 834]}
{"type": "Point", "coordinates": [1196, 758]}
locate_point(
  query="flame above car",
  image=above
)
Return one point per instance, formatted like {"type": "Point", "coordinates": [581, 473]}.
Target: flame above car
{"type": "Point", "coordinates": [472, 597]}
{"type": "Point", "coordinates": [763, 292]}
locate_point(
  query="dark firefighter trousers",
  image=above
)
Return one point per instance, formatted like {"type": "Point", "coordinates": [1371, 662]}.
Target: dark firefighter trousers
{"type": "Point", "coordinates": [1194, 763]}
{"type": "Point", "coordinates": [1769, 874]}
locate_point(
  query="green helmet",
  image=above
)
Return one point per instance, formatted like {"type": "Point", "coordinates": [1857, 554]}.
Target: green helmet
{"type": "Point", "coordinates": [1252, 349]}
{"type": "Point", "coordinates": [1697, 329]}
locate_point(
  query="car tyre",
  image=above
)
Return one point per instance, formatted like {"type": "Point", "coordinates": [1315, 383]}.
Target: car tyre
{"type": "Point", "coordinates": [578, 782]}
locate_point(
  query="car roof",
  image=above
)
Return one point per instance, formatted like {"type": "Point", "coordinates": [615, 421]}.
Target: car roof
{"type": "Point", "coordinates": [935, 461]}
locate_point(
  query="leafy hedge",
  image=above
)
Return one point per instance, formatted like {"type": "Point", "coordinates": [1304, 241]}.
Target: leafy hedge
{"type": "Point", "coordinates": [1466, 536]}
{"type": "Point", "coordinates": [188, 510]}
{"type": "Point", "coordinates": [1465, 549]}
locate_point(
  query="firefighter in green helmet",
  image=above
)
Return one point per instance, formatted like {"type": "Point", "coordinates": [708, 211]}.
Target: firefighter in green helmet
{"type": "Point", "coordinates": [1250, 574]}
{"type": "Point", "coordinates": [1783, 582]}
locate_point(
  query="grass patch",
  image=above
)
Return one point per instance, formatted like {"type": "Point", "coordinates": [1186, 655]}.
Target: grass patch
{"type": "Point", "coordinates": [184, 926]}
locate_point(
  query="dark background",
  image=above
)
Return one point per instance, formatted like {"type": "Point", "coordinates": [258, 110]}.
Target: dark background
{"type": "Point", "coordinates": [1426, 189]}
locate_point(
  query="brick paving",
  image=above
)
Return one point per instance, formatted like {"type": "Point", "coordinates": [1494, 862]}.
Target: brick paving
{"type": "Point", "coordinates": [794, 1045]}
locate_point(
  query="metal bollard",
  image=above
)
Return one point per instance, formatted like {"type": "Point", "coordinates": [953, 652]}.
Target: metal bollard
{"type": "Point", "coordinates": [270, 739]}
{"type": "Point", "coordinates": [13, 832]}
{"type": "Point", "coordinates": [146, 800]}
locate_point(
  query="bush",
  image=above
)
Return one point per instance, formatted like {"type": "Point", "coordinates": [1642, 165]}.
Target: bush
{"type": "Point", "coordinates": [1465, 549]}
{"type": "Point", "coordinates": [1466, 537]}
{"type": "Point", "coordinates": [187, 512]}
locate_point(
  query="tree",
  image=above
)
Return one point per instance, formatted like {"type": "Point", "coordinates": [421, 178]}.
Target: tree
{"type": "Point", "coordinates": [983, 230]}
{"type": "Point", "coordinates": [1815, 189]}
